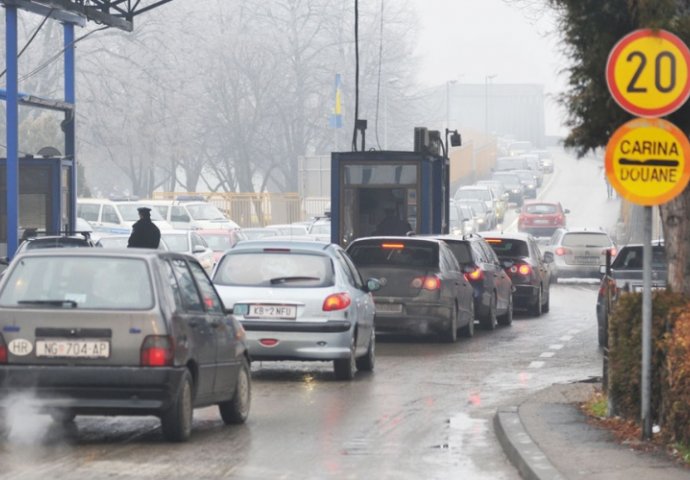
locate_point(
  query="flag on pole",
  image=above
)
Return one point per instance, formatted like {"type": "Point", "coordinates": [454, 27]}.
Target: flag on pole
{"type": "Point", "coordinates": [336, 119]}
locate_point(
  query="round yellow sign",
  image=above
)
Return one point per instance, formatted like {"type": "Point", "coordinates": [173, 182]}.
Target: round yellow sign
{"type": "Point", "coordinates": [647, 73]}
{"type": "Point", "coordinates": [646, 161]}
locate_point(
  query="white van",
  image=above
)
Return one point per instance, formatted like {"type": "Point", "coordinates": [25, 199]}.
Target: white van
{"type": "Point", "coordinates": [192, 214]}
{"type": "Point", "coordinates": [116, 216]}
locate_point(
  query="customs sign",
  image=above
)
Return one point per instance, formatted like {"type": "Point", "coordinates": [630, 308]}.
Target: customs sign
{"type": "Point", "coordinates": [647, 73]}
{"type": "Point", "coordinates": [647, 161]}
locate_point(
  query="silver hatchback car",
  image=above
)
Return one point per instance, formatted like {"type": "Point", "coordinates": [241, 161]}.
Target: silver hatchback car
{"type": "Point", "coordinates": [300, 300]}
{"type": "Point", "coordinates": [119, 332]}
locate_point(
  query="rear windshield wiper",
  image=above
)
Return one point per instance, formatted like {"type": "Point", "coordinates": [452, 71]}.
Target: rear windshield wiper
{"type": "Point", "coordinates": [291, 279]}
{"type": "Point", "coordinates": [51, 303]}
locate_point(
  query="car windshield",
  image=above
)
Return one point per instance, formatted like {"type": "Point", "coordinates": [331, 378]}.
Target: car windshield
{"type": "Point", "coordinates": [630, 258]}
{"type": "Point", "coordinates": [130, 214]}
{"type": "Point", "coordinates": [395, 254]}
{"type": "Point", "coordinates": [320, 228]}
{"type": "Point", "coordinates": [586, 240]}
{"type": "Point", "coordinates": [507, 179]}
{"type": "Point", "coordinates": [205, 211]}
{"type": "Point", "coordinates": [540, 208]}
{"type": "Point", "coordinates": [478, 193]}
{"type": "Point", "coordinates": [218, 241]}
{"type": "Point", "coordinates": [76, 282]}
{"type": "Point", "coordinates": [57, 242]}
{"type": "Point", "coordinates": [508, 247]}
{"type": "Point", "coordinates": [176, 242]}
{"type": "Point", "coordinates": [114, 242]}
{"type": "Point", "coordinates": [277, 269]}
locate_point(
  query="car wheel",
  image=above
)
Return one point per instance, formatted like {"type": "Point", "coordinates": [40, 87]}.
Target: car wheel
{"type": "Point", "coordinates": [507, 318]}
{"type": "Point", "coordinates": [490, 320]}
{"type": "Point", "coordinates": [468, 330]}
{"type": "Point", "coordinates": [176, 421]}
{"type": "Point", "coordinates": [535, 310]}
{"type": "Point", "coordinates": [62, 417]}
{"type": "Point", "coordinates": [236, 410]}
{"type": "Point", "coordinates": [602, 332]}
{"type": "Point", "coordinates": [344, 368]}
{"type": "Point", "coordinates": [451, 334]}
{"type": "Point", "coordinates": [367, 362]}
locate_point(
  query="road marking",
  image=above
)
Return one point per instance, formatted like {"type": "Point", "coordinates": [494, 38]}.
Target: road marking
{"type": "Point", "coordinates": [566, 338]}
{"type": "Point", "coordinates": [547, 354]}
{"type": "Point", "coordinates": [536, 364]}
{"type": "Point", "coordinates": [558, 346]}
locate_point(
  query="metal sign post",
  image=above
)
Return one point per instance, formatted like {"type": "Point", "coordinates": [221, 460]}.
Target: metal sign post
{"type": "Point", "coordinates": [646, 385]}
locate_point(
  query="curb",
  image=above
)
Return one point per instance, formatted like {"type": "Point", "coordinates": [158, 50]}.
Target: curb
{"type": "Point", "coordinates": [520, 449]}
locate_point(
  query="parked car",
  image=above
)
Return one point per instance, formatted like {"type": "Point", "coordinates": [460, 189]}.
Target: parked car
{"type": "Point", "coordinates": [423, 289]}
{"type": "Point", "coordinates": [320, 228]}
{"type": "Point", "coordinates": [220, 240]}
{"type": "Point", "coordinates": [254, 233]}
{"type": "Point", "coordinates": [192, 212]}
{"type": "Point", "coordinates": [130, 332]}
{"type": "Point", "coordinates": [492, 289]}
{"type": "Point", "coordinates": [116, 216]}
{"type": "Point", "coordinates": [625, 275]}
{"type": "Point", "coordinates": [501, 196]}
{"type": "Point", "coordinates": [510, 163]}
{"type": "Point", "coordinates": [300, 301]}
{"type": "Point", "coordinates": [529, 182]}
{"type": "Point", "coordinates": [485, 218]}
{"type": "Point", "coordinates": [519, 147]}
{"type": "Point", "coordinates": [479, 192]}
{"type": "Point", "coordinates": [546, 160]}
{"type": "Point", "coordinates": [541, 218]}
{"type": "Point", "coordinates": [578, 252]}
{"type": "Point", "coordinates": [189, 242]}
{"type": "Point", "coordinates": [462, 219]}
{"type": "Point", "coordinates": [525, 265]}
{"type": "Point", "coordinates": [290, 229]}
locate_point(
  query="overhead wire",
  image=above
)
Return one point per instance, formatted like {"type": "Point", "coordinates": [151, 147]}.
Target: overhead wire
{"type": "Point", "coordinates": [31, 39]}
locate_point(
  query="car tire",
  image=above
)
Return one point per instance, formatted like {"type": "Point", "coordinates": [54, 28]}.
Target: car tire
{"type": "Point", "coordinates": [468, 330]}
{"type": "Point", "coordinates": [489, 321]}
{"type": "Point", "coordinates": [236, 410]}
{"type": "Point", "coordinates": [506, 319]}
{"type": "Point", "coordinates": [545, 308]}
{"type": "Point", "coordinates": [176, 421]}
{"type": "Point", "coordinates": [344, 368]}
{"type": "Point", "coordinates": [368, 361]}
{"type": "Point", "coordinates": [602, 333]}
{"type": "Point", "coordinates": [535, 310]}
{"type": "Point", "coordinates": [451, 334]}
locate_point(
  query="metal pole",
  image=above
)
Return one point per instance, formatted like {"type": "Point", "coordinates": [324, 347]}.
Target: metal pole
{"type": "Point", "coordinates": [12, 118]}
{"type": "Point", "coordinates": [70, 133]}
{"type": "Point", "coordinates": [646, 385]}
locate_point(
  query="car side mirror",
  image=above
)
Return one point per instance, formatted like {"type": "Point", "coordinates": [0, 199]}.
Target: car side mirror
{"type": "Point", "coordinates": [198, 249]}
{"type": "Point", "coordinates": [4, 261]}
{"type": "Point", "coordinates": [548, 257]}
{"type": "Point", "coordinates": [373, 284]}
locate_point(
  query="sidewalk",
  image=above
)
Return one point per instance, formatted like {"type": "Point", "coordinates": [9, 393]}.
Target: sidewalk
{"type": "Point", "coordinates": [547, 437]}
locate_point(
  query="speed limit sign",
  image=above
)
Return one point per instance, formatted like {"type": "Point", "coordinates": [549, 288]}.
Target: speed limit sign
{"type": "Point", "coordinates": [647, 73]}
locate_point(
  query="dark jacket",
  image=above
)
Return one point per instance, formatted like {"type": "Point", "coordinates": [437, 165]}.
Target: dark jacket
{"type": "Point", "coordinates": [392, 225]}
{"type": "Point", "coordinates": [145, 234]}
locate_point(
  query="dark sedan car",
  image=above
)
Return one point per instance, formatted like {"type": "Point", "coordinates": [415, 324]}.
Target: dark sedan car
{"type": "Point", "coordinates": [423, 289]}
{"type": "Point", "coordinates": [625, 275]}
{"type": "Point", "coordinates": [492, 287]}
{"type": "Point", "coordinates": [119, 332]}
{"type": "Point", "coordinates": [524, 263]}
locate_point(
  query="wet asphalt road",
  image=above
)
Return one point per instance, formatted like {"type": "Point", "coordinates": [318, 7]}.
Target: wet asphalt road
{"type": "Point", "coordinates": [425, 413]}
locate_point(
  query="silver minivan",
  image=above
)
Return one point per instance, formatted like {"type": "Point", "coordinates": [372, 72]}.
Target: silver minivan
{"type": "Point", "coordinates": [118, 332]}
{"type": "Point", "coordinates": [192, 214]}
{"type": "Point", "coordinates": [115, 216]}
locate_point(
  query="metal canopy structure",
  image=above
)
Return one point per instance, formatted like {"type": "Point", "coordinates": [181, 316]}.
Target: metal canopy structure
{"type": "Point", "coordinates": [113, 13]}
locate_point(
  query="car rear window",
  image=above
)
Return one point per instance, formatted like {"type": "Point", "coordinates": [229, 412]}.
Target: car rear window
{"type": "Point", "coordinates": [461, 251]}
{"type": "Point", "coordinates": [505, 247]}
{"type": "Point", "coordinates": [281, 269]}
{"type": "Point", "coordinates": [541, 208]}
{"type": "Point", "coordinates": [108, 283]}
{"type": "Point", "coordinates": [176, 243]}
{"type": "Point", "coordinates": [630, 258]}
{"type": "Point", "coordinates": [585, 240]}
{"type": "Point", "coordinates": [56, 243]}
{"type": "Point", "coordinates": [395, 254]}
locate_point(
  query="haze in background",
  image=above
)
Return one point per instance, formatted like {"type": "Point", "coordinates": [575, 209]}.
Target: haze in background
{"type": "Point", "coordinates": [468, 40]}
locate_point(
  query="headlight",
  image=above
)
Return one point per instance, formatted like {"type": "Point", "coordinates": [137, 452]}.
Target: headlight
{"type": "Point", "coordinates": [530, 186]}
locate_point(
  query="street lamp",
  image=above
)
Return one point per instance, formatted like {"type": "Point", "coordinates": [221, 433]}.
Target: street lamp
{"type": "Point", "coordinates": [486, 102]}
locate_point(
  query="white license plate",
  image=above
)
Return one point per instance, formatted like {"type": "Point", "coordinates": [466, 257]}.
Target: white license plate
{"type": "Point", "coordinates": [541, 221]}
{"type": "Point", "coordinates": [272, 311]}
{"type": "Point", "coordinates": [388, 308]}
{"type": "Point", "coordinates": [64, 348]}
{"type": "Point", "coordinates": [588, 260]}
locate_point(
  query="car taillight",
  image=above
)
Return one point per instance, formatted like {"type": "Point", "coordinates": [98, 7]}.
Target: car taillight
{"type": "Point", "coordinates": [522, 269]}
{"type": "Point", "coordinates": [3, 350]}
{"type": "Point", "coordinates": [560, 251]}
{"type": "Point", "coordinates": [431, 282]}
{"type": "Point", "coordinates": [336, 301]}
{"type": "Point", "coordinates": [156, 351]}
{"type": "Point", "coordinates": [475, 274]}
{"type": "Point", "coordinates": [612, 250]}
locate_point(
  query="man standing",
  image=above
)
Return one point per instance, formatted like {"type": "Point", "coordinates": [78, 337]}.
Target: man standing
{"type": "Point", "coordinates": [392, 224]}
{"type": "Point", "coordinates": [145, 233]}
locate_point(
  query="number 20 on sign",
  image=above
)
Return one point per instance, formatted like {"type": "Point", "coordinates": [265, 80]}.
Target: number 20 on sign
{"type": "Point", "coordinates": [647, 73]}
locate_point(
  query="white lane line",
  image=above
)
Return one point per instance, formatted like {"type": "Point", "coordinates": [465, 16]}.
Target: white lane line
{"type": "Point", "coordinates": [547, 354]}
{"type": "Point", "coordinates": [558, 346]}
{"type": "Point", "coordinates": [536, 364]}
{"type": "Point", "coordinates": [566, 338]}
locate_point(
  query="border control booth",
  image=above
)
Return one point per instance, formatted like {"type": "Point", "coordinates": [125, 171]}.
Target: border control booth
{"type": "Point", "coordinates": [368, 186]}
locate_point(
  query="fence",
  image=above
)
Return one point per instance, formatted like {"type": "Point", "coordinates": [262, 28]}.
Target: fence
{"type": "Point", "coordinates": [259, 209]}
